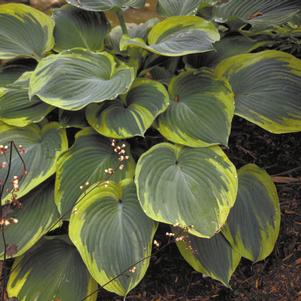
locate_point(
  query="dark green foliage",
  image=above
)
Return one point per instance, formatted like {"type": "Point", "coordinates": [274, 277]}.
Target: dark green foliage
{"type": "Point", "coordinates": [117, 128]}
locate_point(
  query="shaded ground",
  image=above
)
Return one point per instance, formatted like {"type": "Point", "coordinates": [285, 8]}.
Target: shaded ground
{"type": "Point", "coordinates": [278, 278]}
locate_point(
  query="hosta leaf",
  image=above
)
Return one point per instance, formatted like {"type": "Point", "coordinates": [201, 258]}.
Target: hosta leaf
{"type": "Point", "coordinates": [214, 257]}
{"type": "Point", "coordinates": [157, 73]}
{"type": "Point", "coordinates": [132, 114]}
{"type": "Point", "coordinates": [208, 3]}
{"type": "Point", "coordinates": [74, 119]}
{"type": "Point", "coordinates": [253, 224]}
{"type": "Point", "coordinates": [15, 106]}
{"type": "Point", "coordinates": [13, 70]}
{"type": "Point", "coordinates": [201, 110]}
{"type": "Point", "coordinates": [267, 86]}
{"type": "Point", "coordinates": [177, 36]}
{"type": "Point", "coordinates": [168, 8]}
{"type": "Point", "coordinates": [73, 79]}
{"type": "Point", "coordinates": [42, 148]}
{"type": "Point", "coordinates": [135, 31]}
{"type": "Point", "coordinates": [51, 271]}
{"type": "Point", "coordinates": [35, 218]}
{"type": "Point", "coordinates": [224, 49]}
{"type": "Point", "coordinates": [192, 187]}
{"type": "Point", "coordinates": [112, 234]}
{"type": "Point", "coordinates": [103, 5]}
{"type": "Point", "coordinates": [24, 32]}
{"type": "Point", "coordinates": [86, 161]}
{"type": "Point", "coordinates": [258, 12]}
{"type": "Point", "coordinates": [75, 27]}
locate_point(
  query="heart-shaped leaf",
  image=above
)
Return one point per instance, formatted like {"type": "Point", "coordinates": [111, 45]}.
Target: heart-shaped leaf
{"type": "Point", "coordinates": [214, 257]}
{"type": "Point", "coordinates": [34, 219]}
{"type": "Point", "coordinates": [113, 236]}
{"type": "Point", "coordinates": [86, 162]}
{"type": "Point", "coordinates": [103, 5]}
{"type": "Point", "coordinates": [192, 187]}
{"type": "Point", "coordinates": [259, 13]}
{"type": "Point", "coordinates": [53, 270]}
{"type": "Point", "coordinates": [223, 49]}
{"type": "Point", "coordinates": [168, 8]}
{"type": "Point", "coordinates": [132, 114]}
{"type": "Point", "coordinates": [11, 71]}
{"type": "Point", "coordinates": [200, 112]}
{"type": "Point", "coordinates": [41, 148]}
{"type": "Point", "coordinates": [177, 36]}
{"type": "Point", "coordinates": [253, 225]}
{"type": "Point", "coordinates": [15, 106]}
{"type": "Point", "coordinates": [267, 86]}
{"type": "Point", "coordinates": [73, 79]}
{"type": "Point", "coordinates": [24, 32]}
{"type": "Point", "coordinates": [75, 27]}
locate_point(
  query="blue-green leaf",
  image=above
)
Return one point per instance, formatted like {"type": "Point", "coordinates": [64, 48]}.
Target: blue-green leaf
{"type": "Point", "coordinates": [73, 79]}
{"type": "Point", "coordinates": [131, 114]}
{"type": "Point", "coordinates": [168, 8]}
{"type": "Point", "coordinates": [53, 270]}
{"type": "Point", "coordinates": [42, 147]}
{"type": "Point", "coordinates": [86, 162]}
{"type": "Point", "coordinates": [177, 36]}
{"type": "Point", "coordinates": [34, 219]}
{"type": "Point", "coordinates": [253, 225]}
{"type": "Point", "coordinates": [75, 27]}
{"type": "Point", "coordinates": [103, 5]}
{"type": "Point", "coordinates": [267, 86]}
{"type": "Point", "coordinates": [24, 32]}
{"type": "Point", "coordinates": [113, 235]}
{"type": "Point", "coordinates": [201, 110]}
{"type": "Point", "coordinates": [214, 257]}
{"type": "Point", "coordinates": [192, 187]}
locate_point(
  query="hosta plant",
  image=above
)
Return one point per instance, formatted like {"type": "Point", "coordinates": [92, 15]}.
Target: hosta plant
{"type": "Point", "coordinates": [117, 128]}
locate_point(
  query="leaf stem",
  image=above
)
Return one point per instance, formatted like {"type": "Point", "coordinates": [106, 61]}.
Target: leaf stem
{"type": "Point", "coordinates": [121, 20]}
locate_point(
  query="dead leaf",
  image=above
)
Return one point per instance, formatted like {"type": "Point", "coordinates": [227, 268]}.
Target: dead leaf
{"type": "Point", "coordinates": [298, 261]}
{"type": "Point", "coordinates": [286, 180]}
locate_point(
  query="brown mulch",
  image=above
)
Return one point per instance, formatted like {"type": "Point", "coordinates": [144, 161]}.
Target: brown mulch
{"type": "Point", "coordinates": [278, 278]}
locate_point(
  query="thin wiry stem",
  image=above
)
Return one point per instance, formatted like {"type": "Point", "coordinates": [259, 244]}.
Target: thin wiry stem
{"type": "Point", "coordinates": [21, 158]}
{"type": "Point", "coordinates": [7, 174]}
{"type": "Point", "coordinates": [3, 272]}
{"type": "Point", "coordinates": [170, 241]}
{"type": "Point", "coordinates": [67, 212]}
{"type": "Point", "coordinates": [12, 146]}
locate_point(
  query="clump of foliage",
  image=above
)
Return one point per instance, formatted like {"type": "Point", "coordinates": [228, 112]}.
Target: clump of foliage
{"type": "Point", "coordinates": [123, 128]}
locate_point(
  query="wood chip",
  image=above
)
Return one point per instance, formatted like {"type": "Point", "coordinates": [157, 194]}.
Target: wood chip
{"type": "Point", "coordinates": [298, 261]}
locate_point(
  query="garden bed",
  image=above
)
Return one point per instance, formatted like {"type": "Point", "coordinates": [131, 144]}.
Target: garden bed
{"type": "Point", "coordinates": [278, 278]}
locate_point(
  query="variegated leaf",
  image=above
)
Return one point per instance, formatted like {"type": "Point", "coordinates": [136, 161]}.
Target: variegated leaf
{"type": "Point", "coordinates": [113, 235]}
{"type": "Point", "coordinates": [192, 187]}
{"type": "Point", "coordinates": [253, 224]}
